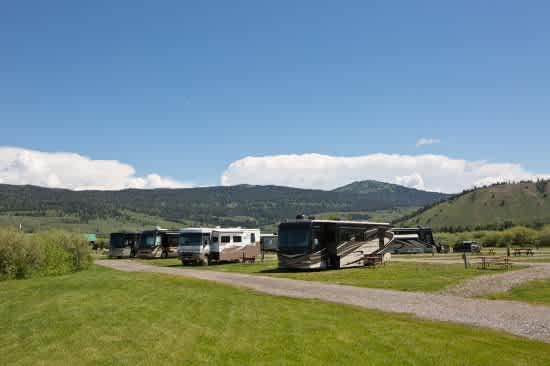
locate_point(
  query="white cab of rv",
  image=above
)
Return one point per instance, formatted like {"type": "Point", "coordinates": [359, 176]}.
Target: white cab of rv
{"type": "Point", "coordinates": [194, 245]}
{"type": "Point", "coordinates": [234, 244]}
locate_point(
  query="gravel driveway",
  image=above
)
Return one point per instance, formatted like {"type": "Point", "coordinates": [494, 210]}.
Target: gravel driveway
{"type": "Point", "coordinates": [532, 321]}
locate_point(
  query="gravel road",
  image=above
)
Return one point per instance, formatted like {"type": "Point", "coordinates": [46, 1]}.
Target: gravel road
{"type": "Point", "coordinates": [532, 321]}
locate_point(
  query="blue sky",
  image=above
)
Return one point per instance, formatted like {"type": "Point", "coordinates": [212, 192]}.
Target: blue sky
{"type": "Point", "coordinates": [183, 89]}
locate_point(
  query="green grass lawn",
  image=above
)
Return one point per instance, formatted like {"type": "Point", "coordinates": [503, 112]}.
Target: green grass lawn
{"type": "Point", "coordinates": [537, 292]}
{"type": "Point", "coordinates": [396, 275]}
{"type": "Point", "coordinates": [104, 317]}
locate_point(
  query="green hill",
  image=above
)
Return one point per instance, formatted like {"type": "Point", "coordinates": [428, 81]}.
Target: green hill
{"type": "Point", "coordinates": [386, 191]}
{"type": "Point", "coordinates": [494, 207]}
{"type": "Point", "coordinates": [234, 205]}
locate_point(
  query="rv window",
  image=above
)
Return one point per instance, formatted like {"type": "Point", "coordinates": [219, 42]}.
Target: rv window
{"type": "Point", "coordinates": [226, 239]}
{"type": "Point", "coordinates": [237, 239]}
{"type": "Point", "coordinates": [315, 246]}
{"type": "Point", "coordinates": [215, 239]}
{"type": "Point", "coordinates": [252, 238]}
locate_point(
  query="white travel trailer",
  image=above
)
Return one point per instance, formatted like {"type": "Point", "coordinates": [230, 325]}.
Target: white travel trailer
{"type": "Point", "coordinates": [234, 244]}
{"type": "Point", "coordinates": [194, 245]}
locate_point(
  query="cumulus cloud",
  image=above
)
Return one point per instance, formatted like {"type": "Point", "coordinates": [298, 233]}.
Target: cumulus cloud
{"type": "Point", "coordinates": [429, 172]}
{"type": "Point", "coordinates": [74, 171]}
{"type": "Point", "coordinates": [425, 141]}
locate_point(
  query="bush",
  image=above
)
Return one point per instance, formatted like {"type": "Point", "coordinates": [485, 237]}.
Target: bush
{"type": "Point", "coordinates": [19, 258]}
{"type": "Point", "coordinates": [491, 239]}
{"type": "Point", "coordinates": [48, 253]}
{"type": "Point", "coordinates": [543, 237]}
{"type": "Point", "coordinates": [518, 235]}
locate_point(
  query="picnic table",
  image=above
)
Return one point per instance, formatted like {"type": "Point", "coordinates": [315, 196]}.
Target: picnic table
{"type": "Point", "coordinates": [527, 251]}
{"type": "Point", "coordinates": [488, 262]}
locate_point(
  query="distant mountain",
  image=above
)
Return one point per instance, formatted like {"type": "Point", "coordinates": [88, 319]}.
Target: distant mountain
{"type": "Point", "coordinates": [493, 207]}
{"type": "Point", "coordinates": [233, 205]}
{"type": "Point", "coordinates": [388, 191]}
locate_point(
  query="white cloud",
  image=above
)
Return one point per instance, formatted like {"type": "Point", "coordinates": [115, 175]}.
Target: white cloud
{"type": "Point", "coordinates": [73, 171]}
{"type": "Point", "coordinates": [430, 172]}
{"type": "Point", "coordinates": [426, 141]}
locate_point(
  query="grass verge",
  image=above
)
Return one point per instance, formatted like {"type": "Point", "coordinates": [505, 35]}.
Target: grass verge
{"type": "Point", "coordinates": [536, 292]}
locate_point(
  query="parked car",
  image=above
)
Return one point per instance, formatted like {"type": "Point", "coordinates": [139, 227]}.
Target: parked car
{"type": "Point", "coordinates": [467, 246]}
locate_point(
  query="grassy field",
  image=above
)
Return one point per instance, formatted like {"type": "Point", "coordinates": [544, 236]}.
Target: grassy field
{"type": "Point", "coordinates": [537, 292]}
{"type": "Point", "coordinates": [397, 276]}
{"type": "Point", "coordinates": [104, 317]}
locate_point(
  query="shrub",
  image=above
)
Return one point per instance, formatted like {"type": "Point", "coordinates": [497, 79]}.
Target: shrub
{"type": "Point", "coordinates": [520, 235]}
{"type": "Point", "coordinates": [491, 239]}
{"type": "Point", "coordinates": [67, 251]}
{"type": "Point", "coordinates": [543, 237]}
{"type": "Point", "coordinates": [48, 253]}
{"type": "Point", "coordinates": [19, 258]}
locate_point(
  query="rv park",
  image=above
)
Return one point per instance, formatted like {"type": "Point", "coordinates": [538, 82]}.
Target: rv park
{"type": "Point", "coordinates": [274, 183]}
{"type": "Point", "coordinates": [322, 289]}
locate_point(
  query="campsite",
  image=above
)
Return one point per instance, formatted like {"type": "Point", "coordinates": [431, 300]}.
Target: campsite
{"type": "Point", "coordinates": [274, 183]}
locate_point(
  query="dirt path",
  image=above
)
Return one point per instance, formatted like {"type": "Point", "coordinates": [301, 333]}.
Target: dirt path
{"type": "Point", "coordinates": [502, 282]}
{"type": "Point", "coordinates": [521, 319]}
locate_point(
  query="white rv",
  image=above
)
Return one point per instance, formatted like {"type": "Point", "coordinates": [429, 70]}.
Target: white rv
{"type": "Point", "coordinates": [234, 244]}
{"type": "Point", "coordinates": [194, 245]}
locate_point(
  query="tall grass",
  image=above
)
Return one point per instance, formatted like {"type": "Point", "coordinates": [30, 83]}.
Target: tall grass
{"type": "Point", "coordinates": [44, 254]}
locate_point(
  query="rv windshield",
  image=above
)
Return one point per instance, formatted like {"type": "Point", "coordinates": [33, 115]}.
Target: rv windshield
{"type": "Point", "coordinates": [294, 237]}
{"type": "Point", "coordinates": [149, 240]}
{"type": "Point", "coordinates": [193, 239]}
{"type": "Point", "coordinates": [117, 241]}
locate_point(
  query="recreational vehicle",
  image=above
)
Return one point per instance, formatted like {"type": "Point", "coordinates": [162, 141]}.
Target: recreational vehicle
{"type": "Point", "coordinates": [412, 240]}
{"type": "Point", "coordinates": [123, 244]}
{"type": "Point", "coordinates": [307, 243]}
{"type": "Point", "coordinates": [234, 244]}
{"type": "Point", "coordinates": [194, 245]}
{"type": "Point", "coordinates": [158, 243]}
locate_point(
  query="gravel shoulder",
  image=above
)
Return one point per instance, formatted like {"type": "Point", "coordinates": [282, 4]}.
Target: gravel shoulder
{"type": "Point", "coordinates": [531, 321]}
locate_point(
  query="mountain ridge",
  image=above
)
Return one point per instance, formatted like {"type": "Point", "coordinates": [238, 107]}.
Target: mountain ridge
{"type": "Point", "coordinates": [255, 204]}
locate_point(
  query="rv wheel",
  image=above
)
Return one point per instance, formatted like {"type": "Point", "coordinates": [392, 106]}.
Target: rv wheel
{"type": "Point", "coordinates": [164, 255]}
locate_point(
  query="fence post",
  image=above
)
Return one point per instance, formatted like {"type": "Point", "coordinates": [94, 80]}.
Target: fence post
{"type": "Point", "coordinates": [465, 258]}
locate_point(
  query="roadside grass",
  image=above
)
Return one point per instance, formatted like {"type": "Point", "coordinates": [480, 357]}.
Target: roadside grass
{"type": "Point", "coordinates": [105, 317]}
{"type": "Point", "coordinates": [537, 292]}
{"type": "Point", "coordinates": [397, 275]}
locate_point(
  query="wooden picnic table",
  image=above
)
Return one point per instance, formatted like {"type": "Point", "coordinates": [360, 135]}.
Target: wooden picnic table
{"type": "Point", "coordinates": [488, 262]}
{"type": "Point", "coordinates": [527, 251]}
{"type": "Point", "coordinates": [490, 251]}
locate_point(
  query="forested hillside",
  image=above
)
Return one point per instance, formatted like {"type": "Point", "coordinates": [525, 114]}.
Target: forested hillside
{"type": "Point", "coordinates": [495, 207]}
{"type": "Point", "coordinates": [233, 205]}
